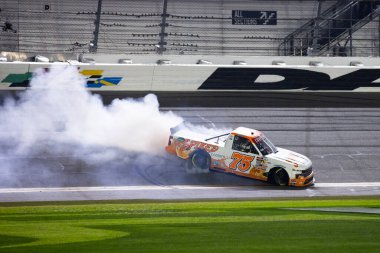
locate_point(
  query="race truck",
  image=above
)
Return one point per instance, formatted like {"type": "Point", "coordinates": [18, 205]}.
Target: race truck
{"type": "Point", "coordinates": [243, 152]}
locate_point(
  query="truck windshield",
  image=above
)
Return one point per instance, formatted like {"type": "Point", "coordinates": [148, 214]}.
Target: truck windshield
{"type": "Point", "coordinates": [265, 145]}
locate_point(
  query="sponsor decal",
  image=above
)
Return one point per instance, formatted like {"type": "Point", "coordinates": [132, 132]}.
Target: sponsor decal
{"type": "Point", "coordinates": [216, 155]}
{"type": "Point", "coordinates": [185, 146]}
{"type": "Point", "coordinates": [196, 144]}
{"type": "Point", "coordinates": [180, 139]}
{"type": "Point", "coordinates": [95, 79]}
{"type": "Point", "coordinates": [258, 173]}
{"type": "Point", "coordinates": [18, 80]}
{"type": "Point", "coordinates": [260, 162]}
{"type": "Point", "coordinates": [227, 78]}
{"type": "Point", "coordinates": [219, 164]}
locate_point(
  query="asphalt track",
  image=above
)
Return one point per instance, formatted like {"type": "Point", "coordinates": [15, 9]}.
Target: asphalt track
{"type": "Point", "coordinates": [343, 143]}
{"type": "Point", "coordinates": [256, 99]}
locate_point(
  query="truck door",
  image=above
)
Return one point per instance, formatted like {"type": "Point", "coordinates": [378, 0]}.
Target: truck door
{"type": "Point", "coordinates": [242, 155]}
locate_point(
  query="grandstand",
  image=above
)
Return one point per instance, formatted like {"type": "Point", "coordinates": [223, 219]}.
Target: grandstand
{"type": "Point", "coordinates": [207, 27]}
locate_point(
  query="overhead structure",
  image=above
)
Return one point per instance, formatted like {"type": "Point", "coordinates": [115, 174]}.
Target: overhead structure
{"type": "Point", "coordinates": [330, 30]}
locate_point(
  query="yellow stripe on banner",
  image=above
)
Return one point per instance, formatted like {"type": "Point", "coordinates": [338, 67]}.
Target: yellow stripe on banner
{"type": "Point", "coordinates": [91, 72]}
{"type": "Point", "coordinates": [107, 83]}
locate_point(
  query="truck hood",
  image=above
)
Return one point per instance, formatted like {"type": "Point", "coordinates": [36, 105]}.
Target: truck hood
{"type": "Point", "coordinates": [291, 157]}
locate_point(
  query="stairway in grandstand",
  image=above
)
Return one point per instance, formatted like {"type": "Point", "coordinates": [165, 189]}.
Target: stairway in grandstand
{"type": "Point", "coordinates": [333, 26]}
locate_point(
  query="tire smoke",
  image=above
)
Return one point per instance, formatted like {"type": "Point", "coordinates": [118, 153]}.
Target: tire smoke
{"type": "Point", "coordinates": [57, 117]}
{"type": "Point", "coordinates": [58, 108]}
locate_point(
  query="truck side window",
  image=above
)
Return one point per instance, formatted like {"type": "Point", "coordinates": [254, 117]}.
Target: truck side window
{"type": "Point", "coordinates": [254, 150]}
{"type": "Point", "coordinates": [243, 145]}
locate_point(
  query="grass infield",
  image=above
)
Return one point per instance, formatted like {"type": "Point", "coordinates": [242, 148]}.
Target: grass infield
{"type": "Point", "coordinates": [206, 226]}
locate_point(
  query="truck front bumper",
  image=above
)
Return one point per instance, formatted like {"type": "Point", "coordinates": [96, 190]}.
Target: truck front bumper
{"type": "Point", "coordinates": [303, 180]}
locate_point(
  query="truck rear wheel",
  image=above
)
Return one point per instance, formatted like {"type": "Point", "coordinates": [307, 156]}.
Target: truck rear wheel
{"type": "Point", "coordinates": [199, 161]}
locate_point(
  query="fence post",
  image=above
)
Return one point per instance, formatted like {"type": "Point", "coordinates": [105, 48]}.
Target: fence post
{"type": "Point", "coordinates": [350, 31]}
{"type": "Point", "coordinates": [161, 45]}
{"type": "Point", "coordinates": [378, 40]}
{"type": "Point", "coordinates": [94, 45]}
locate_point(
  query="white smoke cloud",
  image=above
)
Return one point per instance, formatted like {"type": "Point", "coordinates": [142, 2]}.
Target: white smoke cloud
{"type": "Point", "coordinates": [59, 134]}
{"type": "Point", "coordinates": [58, 108]}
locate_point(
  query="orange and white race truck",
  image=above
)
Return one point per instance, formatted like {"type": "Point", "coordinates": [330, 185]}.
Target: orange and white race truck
{"type": "Point", "coordinates": [243, 152]}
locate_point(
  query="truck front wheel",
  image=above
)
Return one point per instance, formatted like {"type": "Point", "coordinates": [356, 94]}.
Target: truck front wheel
{"type": "Point", "coordinates": [199, 161]}
{"type": "Point", "coordinates": [279, 176]}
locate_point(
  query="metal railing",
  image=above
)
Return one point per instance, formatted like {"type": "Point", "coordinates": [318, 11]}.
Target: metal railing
{"type": "Point", "coordinates": [304, 33]}
{"type": "Point", "coordinates": [337, 23]}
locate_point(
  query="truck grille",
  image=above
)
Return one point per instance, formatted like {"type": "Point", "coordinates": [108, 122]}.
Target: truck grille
{"type": "Point", "coordinates": [307, 181]}
{"type": "Point", "coordinates": [307, 172]}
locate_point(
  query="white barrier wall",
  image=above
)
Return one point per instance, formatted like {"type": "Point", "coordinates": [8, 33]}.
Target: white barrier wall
{"type": "Point", "coordinates": [193, 77]}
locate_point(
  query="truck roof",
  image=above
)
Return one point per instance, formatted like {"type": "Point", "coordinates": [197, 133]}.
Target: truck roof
{"type": "Point", "coordinates": [247, 132]}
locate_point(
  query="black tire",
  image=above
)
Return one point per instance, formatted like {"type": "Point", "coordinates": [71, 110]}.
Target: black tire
{"type": "Point", "coordinates": [279, 176]}
{"type": "Point", "coordinates": [199, 161]}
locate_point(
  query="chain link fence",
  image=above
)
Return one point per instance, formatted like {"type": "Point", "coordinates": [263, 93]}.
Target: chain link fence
{"type": "Point", "coordinates": [208, 27]}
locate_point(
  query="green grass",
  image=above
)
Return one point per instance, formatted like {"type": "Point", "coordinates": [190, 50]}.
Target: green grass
{"type": "Point", "coordinates": [214, 226]}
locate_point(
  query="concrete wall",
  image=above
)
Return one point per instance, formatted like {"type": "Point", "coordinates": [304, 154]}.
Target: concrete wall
{"type": "Point", "coordinates": [258, 74]}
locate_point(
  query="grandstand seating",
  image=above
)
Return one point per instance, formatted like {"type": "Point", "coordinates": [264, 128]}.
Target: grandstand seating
{"type": "Point", "coordinates": [133, 26]}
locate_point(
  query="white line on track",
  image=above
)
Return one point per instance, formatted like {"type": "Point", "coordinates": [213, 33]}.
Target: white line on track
{"type": "Point", "coordinates": [173, 187]}
{"type": "Point", "coordinates": [334, 185]}
{"type": "Point", "coordinates": [107, 188]}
